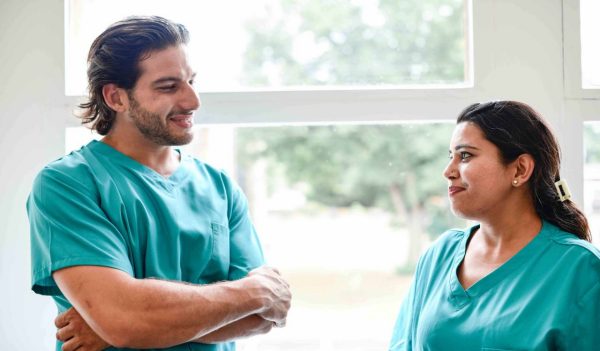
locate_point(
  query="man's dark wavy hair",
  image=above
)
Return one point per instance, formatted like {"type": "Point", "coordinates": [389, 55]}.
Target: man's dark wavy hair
{"type": "Point", "coordinates": [114, 57]}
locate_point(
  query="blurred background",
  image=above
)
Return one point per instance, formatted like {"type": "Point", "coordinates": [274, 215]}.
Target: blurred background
{"type": "Point", "coordinates": [333, 116]}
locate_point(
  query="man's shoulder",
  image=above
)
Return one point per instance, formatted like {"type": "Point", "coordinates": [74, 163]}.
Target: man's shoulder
{"type": "Point", "coordinates": [71, 168]}
{"type": "Point", "coordinates": [72, 161]}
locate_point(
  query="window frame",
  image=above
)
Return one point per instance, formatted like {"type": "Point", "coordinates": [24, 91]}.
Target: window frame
{"type": "Point", "coordinates": [502, 66]}
{"type": "Point", "coordinates": [572, 54]}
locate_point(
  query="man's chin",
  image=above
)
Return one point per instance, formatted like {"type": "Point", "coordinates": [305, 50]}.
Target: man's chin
{"type": "Point", "coordinates": [180, 138]}
{"type": "Point", "coordinates": [182, 141]}
{"type": "Point", "coordinates": [173, 140]}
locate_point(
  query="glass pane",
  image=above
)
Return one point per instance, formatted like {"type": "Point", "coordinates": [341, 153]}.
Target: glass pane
{"type": "Point", "coordinates": [591, 174]}
{"type": "Point", "coordinates": [344, 211]}
{"type": "Point", "coordinates": [280, 44]}
{"type": "Point", "coordinates": [76, 137]}
{"type": "Point", "coordinates": [590, 46]}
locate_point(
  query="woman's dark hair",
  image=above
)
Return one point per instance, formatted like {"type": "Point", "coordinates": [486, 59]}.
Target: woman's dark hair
{"type": "Point", "coordinates": [114, 58]}
{"type": "Point", "coordinates": [516, 129]}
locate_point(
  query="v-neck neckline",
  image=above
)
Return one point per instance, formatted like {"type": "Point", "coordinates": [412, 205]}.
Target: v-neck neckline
{"type": "Point", "coordinates": [120, 157]}
{"type": "Point", "coordinates": [461, 297]}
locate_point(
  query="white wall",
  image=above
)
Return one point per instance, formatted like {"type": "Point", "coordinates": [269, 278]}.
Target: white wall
{"type": "Point", "coordinates": [31, 134]}
{"type": "Point", "coordinates": [518, 55]}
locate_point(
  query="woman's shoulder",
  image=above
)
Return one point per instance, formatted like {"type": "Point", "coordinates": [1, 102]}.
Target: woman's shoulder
{"type": "Point", "coordinates": [447, 244]}
{"type": "Point", "coordinates": [570, 243]}
{"type": "Point", "coordinates": [452, 237]}
{"type": "Point", "coordinates": [573, 257]}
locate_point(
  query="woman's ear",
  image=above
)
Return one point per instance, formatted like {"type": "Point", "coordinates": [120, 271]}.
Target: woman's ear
{"type": "Point", "coordinates": [523, 169]}
{"type": "Point", "coordinates": [115, 97]}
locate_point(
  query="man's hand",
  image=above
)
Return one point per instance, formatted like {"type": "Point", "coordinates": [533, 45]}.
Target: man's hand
{"type": "Point", "coordinates": [76, 334]}
{"type": "Point", "coordinates": [275, 292]}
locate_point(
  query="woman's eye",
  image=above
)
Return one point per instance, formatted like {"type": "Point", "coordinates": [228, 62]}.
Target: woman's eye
{"type": "Point", "coordinates": [465, 155]}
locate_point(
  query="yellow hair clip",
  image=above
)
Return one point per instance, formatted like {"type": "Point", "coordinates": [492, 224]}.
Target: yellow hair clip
{"type": "Point", "coordinates": [563, 190]}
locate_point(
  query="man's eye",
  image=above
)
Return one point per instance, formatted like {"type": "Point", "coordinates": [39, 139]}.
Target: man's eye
{"type": "Point", "coordinates": [166, 88]}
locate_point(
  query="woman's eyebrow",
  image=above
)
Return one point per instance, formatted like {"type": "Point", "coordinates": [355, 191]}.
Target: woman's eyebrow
{"type": "Point", "coordinates": [465, 146]}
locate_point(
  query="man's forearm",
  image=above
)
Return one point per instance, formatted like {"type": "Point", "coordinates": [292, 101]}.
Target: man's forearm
{"type": "Point", "coordinates": [72, 327]}
{"type": "Point", "coordinates": [148, 313]}
{"type": "Point", "coordinates": [245, 327]}
{"type": "Point", "coordinates": [174, 313]}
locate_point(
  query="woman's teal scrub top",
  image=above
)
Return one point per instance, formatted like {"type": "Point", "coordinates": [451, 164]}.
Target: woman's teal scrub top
{"type": "Point", "coordinates": [546, 297]}
{"type": "Point", "coordinates": [99, 207]}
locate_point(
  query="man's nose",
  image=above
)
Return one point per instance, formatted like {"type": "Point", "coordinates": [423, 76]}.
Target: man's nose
{"type": "Point", "coordinates": [191, 100]}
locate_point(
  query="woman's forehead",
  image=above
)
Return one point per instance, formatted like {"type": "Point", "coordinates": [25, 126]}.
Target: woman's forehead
{"type": "Point", "coordinates": [467, 132]}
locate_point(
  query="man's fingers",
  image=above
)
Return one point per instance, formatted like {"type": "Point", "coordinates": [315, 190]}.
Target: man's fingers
{"type": "Point", "coordinates": [71, 345]}
{"type": "Point", "coordinates": [268, 270]}
{"type": "Point", "coordinates": [280, 324]}
{"type": "Point", "coordinates": [276, 291]}
{"type": "Point", "coordinates": [76, 333]}
{"type": "Point", "coordinates": [65, 333]}
{"type": "Point", "coordinates": [274, 270]}
{"type": "Point", "coordinates": [62, 319]}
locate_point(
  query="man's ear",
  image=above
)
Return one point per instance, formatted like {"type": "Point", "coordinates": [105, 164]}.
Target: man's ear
{"type": "Point", "coordinates": [116, 98]}
{"type": "Point", "coordinates": [524, 165]}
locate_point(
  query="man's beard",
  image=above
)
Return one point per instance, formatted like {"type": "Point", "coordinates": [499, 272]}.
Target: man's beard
{"type": "Point", "coordinates": [151, 126]}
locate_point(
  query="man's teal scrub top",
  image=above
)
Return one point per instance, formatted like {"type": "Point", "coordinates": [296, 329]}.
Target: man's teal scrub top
{"type": "Point", "coordinates": [546, 297]}
{"type": "Point", "coordinates": [99, 207]}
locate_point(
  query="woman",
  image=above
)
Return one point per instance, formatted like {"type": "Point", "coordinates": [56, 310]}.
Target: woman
{"type": "Point", "coordinates": [526, 277]}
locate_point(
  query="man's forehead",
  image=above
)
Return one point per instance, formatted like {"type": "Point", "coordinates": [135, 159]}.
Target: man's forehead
{"type": "Point", "coordinates": [169, 62]}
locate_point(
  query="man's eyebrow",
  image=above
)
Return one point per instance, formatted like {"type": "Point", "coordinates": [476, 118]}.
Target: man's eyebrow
{"type": "Point", "coordinates": [465, 146]}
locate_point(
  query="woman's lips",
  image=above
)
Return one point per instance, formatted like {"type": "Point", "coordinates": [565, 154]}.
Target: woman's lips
{"type": "Point", "coordinates": [453, 190]}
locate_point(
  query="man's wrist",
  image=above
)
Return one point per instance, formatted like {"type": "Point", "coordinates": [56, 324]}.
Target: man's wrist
{"type": "Point", "coordinates": [249, 296]}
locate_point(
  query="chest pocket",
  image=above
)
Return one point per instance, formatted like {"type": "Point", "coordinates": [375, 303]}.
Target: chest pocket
{"type": "Point", "coordinates": [217, 268]}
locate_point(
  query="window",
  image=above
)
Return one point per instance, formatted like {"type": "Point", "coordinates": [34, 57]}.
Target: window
{"type": "Point", "coordinates": [590, 46]}
{"type": "Point", "coordinates": [270, 44]}
{"type": "Point", "coordinates": [591, 176]}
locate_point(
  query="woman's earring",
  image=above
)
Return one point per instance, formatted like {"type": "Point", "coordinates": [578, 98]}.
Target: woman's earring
{"type": "Point", "coordinates": [515, 182]}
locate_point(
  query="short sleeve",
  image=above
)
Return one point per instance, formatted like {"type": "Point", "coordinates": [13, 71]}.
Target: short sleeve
{"type": "Point", "coordinates": [402, 333]}
{"type": "Point", "coordinates": [69, 228]}
{"type": "Point", "coordinates": [245, 248]}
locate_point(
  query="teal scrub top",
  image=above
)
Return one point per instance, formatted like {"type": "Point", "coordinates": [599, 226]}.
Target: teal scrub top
{"type": "Point", "coordinates": [98, 207]}
{"type": "Point", "coordinates": [546, 297]}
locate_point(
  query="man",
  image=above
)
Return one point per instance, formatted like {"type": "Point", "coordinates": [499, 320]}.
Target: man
{"type": "Point", "coordinates": [142, 245]}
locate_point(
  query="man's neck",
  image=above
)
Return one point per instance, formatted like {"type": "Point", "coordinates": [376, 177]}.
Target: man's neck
{"type": "Point", "coordinates": [162, 159]}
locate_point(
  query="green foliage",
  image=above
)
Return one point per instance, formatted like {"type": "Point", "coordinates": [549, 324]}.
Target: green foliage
{"type": "Point", "coordinates": [351, 42]}
{"type": "Point", "coordinates": [366, 42]}
{"type": "Point", "coordinates": [358, 164]}
{"type": "Point", "coordinates": [592, 143]}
